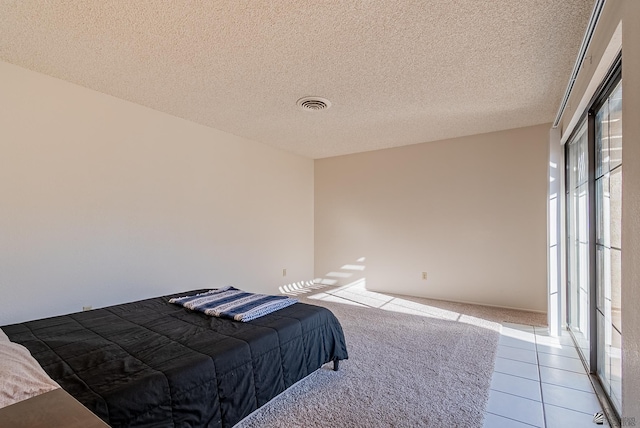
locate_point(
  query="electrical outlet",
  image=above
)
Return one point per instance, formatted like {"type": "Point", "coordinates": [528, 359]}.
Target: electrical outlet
{"type": "Point", "coordinates": [284, 272]}
{"type": "Point", "coordinates": [87, 308]}
{"type": "Point", "coordinates": [424, 276]}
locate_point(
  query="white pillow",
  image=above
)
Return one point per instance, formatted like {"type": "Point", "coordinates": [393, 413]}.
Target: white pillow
{"type": "Point", "coordinates": [21, 376]}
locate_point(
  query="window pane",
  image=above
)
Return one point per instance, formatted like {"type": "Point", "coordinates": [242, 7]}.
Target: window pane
{"type": "Point", "coordinates": [615, 127]}
{"type": "Point", "coordinates": [615, 210]}
{"type": "Point", "coordinates": [573, 165]}
{"type": "Point", "coordinates": [583, 160]}
{"type": "Point", "coordinates": [583, 213]}
{"type": "Point", "coordinates": [602, 185]}
{"type": "Point", "coordinates": [600, 275]}
{"type": "Point", "coordinates": [602, 140]}
{"type": "Point", "coordinates": [616, 368]}
{"type": "Point", "coordinates": [616, 289]}
{"type": "Point", "coordinates": [604, 360]}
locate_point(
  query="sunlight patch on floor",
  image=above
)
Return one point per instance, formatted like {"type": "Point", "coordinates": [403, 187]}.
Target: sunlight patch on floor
{"type": "Point", "coordinates": [356, 293]}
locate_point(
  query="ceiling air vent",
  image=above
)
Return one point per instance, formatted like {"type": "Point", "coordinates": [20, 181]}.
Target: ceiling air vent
{"type": "Point", "coordinates": [313, 103]}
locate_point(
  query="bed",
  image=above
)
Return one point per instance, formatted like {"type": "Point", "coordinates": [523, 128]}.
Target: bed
{"type": "Point", "coordinates": [151, 363]}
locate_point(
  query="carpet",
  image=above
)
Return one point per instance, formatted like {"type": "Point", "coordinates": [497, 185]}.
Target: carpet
{"type": "Point", "coordinates": [404, 370]}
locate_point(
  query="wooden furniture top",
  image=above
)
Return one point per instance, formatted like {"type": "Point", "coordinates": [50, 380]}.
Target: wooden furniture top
{"type": "Point", "coordinates": [49, 410]}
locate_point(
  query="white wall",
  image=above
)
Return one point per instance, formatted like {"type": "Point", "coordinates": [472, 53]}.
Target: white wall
{"type": "Point", "coordinates": [103, 201]}
{"type": "Point", "coordinates": [626, 13]}
{"type": "Point", "coordinates": [470, 211]}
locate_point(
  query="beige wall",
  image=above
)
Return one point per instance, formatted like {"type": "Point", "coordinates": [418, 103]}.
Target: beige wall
{"type": "Point", "coordinates": [103, 201]}
{"type": "Point", "coordinates": [471, 212]}
{"type": "Point", "coordinates": [631, 211]}
{"type": "Point", "coordinates": [626, 12]}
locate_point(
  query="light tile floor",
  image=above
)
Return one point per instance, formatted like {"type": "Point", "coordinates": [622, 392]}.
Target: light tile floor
{"type": "Point", "coordinates": [539, 381]}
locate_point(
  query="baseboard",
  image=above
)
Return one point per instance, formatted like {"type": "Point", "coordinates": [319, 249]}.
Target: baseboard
{"type": "Point", "coordinates": [466, 302]}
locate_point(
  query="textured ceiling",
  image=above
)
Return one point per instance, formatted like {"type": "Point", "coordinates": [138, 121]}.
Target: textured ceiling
{"type": "Point", "coordinates": [396, 72]}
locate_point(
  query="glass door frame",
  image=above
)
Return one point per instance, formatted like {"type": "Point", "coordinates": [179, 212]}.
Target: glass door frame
{"type": "Point", "coordinates": [613, 77]}
{"type": "Point", "coordinates": [590, 335]}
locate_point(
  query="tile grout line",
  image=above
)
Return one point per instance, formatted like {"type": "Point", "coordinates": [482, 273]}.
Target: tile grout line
{"type": "Point", "coordinates": [560, 368]}
{"type": "Point", "coordinates": [518, 361]}
{"type": "Point", "coordinates": [511, 419]}
{"type": "Point", "coordinates": [544, 411]}
{"type": "Point", "coordinates": [559, 355]}
{"type": "Point", "coordinates": [515, 395]}
{"type": "Point", "coordinates": [519, 377]}
{"type": "Point", "coordinates": [565, 386]}
{"type": "Point", "coordinates": [569, 409]}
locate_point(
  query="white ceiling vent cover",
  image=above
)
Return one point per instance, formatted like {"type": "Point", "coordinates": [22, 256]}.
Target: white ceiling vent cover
{"type": "Point", "coordinates": [313, 103]}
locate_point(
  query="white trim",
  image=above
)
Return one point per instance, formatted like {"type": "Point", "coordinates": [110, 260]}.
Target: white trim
{"type": "Point", "coordinates": [586, 41]}
{"type": "Point", "coordinates": [555, 236]}
{"type": "Point", "coordinates": [608, 57]}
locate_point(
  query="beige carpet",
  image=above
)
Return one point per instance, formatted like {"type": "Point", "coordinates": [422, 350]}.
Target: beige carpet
{"type": "Point", "coordinates": [412, 363]}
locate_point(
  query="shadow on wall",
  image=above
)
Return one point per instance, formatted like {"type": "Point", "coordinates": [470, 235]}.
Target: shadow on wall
{"type": "Point", "coordinates": [346, 274]}
{"type": "Point", "coordinates": [334, 289]}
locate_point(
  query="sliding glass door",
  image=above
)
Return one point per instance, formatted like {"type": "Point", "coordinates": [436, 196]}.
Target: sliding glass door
{"type": "Point", "coordinates": [608, 178]}
{"type": "Point", "coordinates": [594, 237]}
{"type": "Point", "coordinates": [578, 266]}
